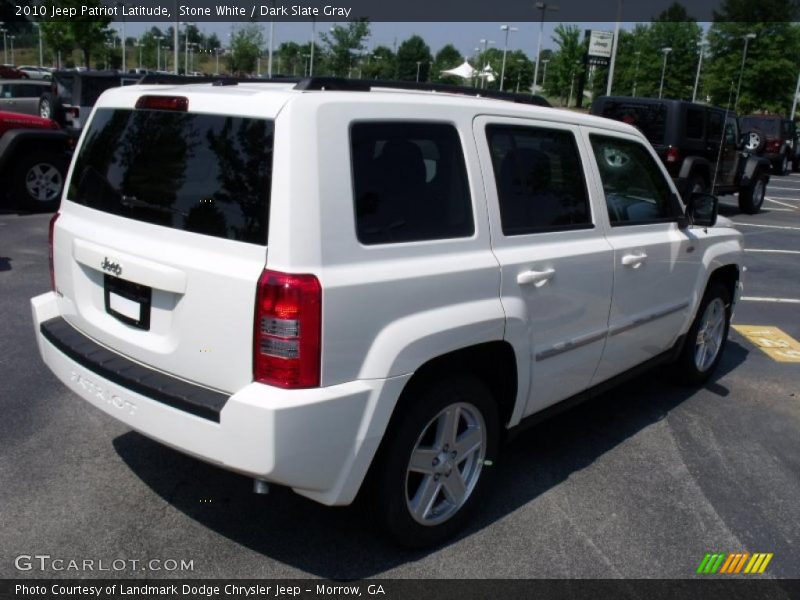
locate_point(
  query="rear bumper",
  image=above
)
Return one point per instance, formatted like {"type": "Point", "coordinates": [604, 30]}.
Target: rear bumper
{"type": "Point", "coordinates": [319, 442]}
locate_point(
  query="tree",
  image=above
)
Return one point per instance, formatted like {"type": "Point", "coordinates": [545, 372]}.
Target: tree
{"type": "Point", "coordinates": [57, 39]}
{"type": "Point", "coordinates": [381, 64]}
{"type": "Point", "coordinates": [245, 49]}
{"type": "Point", "coordinates": [447, 58]}
{"type": "Point", "coordinates": [343, 44]}
{"type": "Point", "coordinates": [87, 33]}
{"type": "Point", "coordinates": [290, 57]}
{"type": "Point", "coordinates": [768, 78]}
{"type": "Point", "coordinates": [412, 51]}
{"type": "Point", "coordinates": [566, 66]}
{"type": "Point", "coordinates": [519, 72]}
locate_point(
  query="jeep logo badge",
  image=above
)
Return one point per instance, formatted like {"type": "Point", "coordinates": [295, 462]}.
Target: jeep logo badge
{"type": "Point", "coordinates": [111, 267]}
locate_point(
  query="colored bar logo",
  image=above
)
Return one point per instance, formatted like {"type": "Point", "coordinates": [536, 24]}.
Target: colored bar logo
{"type": "Point", "coordinates": [734, 562]}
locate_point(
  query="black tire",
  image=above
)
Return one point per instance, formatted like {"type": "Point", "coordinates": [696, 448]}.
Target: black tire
{"type": "Point", "coordinates": [782, 165]}
{"type": "Point", "coordinates": [751, 197]}
{"type": "Point", "coordinates": [796, 164]}
{"type": "Point", "coordinates": [37, 181]}
{"type": "Point", "coordinates": [48, 103]}
{"type": "Point", "coordinates": [689, 368]}
{"type": "Point", "coordinates": [394, 481]}
{"type": "Point", "coordinates": [697, 184]}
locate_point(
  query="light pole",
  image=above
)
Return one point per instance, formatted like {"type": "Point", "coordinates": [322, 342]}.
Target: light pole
{"type": "Point", "coordinates": [544, 73]}
{"type": "Point", "coordinates": [124, 45]}
{"type": "Point", "coordinates": [485, 43]}
{"type": "Point", "coordinates": [192, 46]}
{"type": "Point", "coordinates": [271, 39]}
{"type": "Point", "coordinates": [746, 38]}
{"type": "Point", "coordinates": [217, 51]}
{"type": "Point", "coordinates": [41, 47]}
{"type": "Point", "coordinates": [158, 51]}
{"type": "Point", "coordinates": [794, 101]}
{"type": "Point", "coordinates": [614, 45]}
{"type": "Point", "coordinates": [666, 50]}
{"type": "Point", "coordinates": [4, 31]}
{"type": "Point", "coordinates": [635, 72]}
{"type": "Point", "coordinates": [544, 7]}
{"type": "Point", "coordinates": [138, 44]}
{"type": "Point", "coordinates": [519, 71]}
{"type": "Point", "coordinates": [508, 30]}
{"type": "Point", "coordinates": [311, 50]}
{"type": "Point", "coordinates": [186, 48]}
{"type": "Point", "coordinates": [12, 38]}
{"type": "Point", "coordinates": [701, 46]}
{"type": "Point", "coordinates": [419, 62]}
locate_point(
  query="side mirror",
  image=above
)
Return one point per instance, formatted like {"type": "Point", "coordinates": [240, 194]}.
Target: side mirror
{"type": "Point", "coordinates": [702, 209]}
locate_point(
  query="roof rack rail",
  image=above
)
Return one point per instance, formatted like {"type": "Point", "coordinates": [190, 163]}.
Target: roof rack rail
{"type": "Point", "coordinates": [365, 85]}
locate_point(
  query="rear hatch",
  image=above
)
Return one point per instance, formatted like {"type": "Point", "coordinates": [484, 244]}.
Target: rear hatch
{"type": "Point", "coordinates": [650, 117]}
{"type": "Point", "coordinates": [160, 245]}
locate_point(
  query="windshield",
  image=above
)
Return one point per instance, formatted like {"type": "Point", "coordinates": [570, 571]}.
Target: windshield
{"type": "Point", "coordinates": [649, 117]}
{"type": "Point", "coordinates": [208, 174]}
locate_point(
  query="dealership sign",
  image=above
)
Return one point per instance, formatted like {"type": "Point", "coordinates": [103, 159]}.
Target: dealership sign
{"type": "Point", "coordinates": [600, 43]}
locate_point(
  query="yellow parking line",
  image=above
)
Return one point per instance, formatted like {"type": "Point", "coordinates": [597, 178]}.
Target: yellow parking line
{"type": "Point", "coordinates": [776, 344]}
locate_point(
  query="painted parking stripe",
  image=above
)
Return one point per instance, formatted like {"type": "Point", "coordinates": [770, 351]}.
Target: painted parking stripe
{"type": "Point", "coordinates": [770, 209]}
{"type": "Point", "coordinates": [767, 226]}
{"type": "Point", "coordinates": [791, 206]}
{"type": "Point", "coordinates": [771, 251]}
{"type": "Point", "coordinates": [772, 341]}
{"type": "Point", "coordinates": [784, 198]}
{"type": "Point", "coordinates": [768, 299]}
{"type": "Point", "coordinates": [788, 189]}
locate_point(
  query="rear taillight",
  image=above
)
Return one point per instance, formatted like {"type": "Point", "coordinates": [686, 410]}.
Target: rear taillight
{"type": "Point", "coordinates": [288, 330]}
{"type": "Point", "coordinates": [74, 112]}
{"type": "Point", "coordinates": [673, 155]}
{"type": "Point", "coordinates": [50, 237]}
{"type": "Point", "coordinates": [179, 103]}
{"type": "Point", "coordinates": [774, 145]}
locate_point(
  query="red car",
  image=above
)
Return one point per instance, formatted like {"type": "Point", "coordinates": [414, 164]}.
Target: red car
{"type": "Point", "coordinates": [34, 155]}
{"type": "Point", "coordinates": [11, 73]}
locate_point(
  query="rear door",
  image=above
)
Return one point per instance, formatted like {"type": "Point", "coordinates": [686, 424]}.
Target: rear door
{"type": "Point", "coordinates": [556, 265]}
{"type": "Point", "coordinates": [655, 269]}
{"type": "Point", "coordinates": [163, 237]}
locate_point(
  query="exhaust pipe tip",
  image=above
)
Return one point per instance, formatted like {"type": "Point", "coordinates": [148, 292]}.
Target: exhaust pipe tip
{"type": "Point", "coordinates": [260, 487]}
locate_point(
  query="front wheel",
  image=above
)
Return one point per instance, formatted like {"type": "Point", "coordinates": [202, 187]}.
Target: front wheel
{"type": "Point", "coordinates": [435, 465]}
{"type": "Point", "coordinates": [706, 339]}
{"type": "Point", "coordinates": [783, 164]}
{"type": "Point", "coordinates": [751, 197]}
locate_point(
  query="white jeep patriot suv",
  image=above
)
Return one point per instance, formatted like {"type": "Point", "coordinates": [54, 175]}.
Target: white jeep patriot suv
{"type": "Point", "coordinates": [347, 289]}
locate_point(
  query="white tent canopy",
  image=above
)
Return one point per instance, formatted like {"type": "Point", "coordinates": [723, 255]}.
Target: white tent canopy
{"type": "Point", "coordinates": [464, 71]}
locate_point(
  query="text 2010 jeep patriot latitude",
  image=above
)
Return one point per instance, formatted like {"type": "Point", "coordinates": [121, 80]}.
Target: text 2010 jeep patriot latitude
{"type": "Point", "coordinates": [337, 290]}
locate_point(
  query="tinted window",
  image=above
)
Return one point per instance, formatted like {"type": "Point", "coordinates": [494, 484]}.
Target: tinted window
{"type": "Point", "coordinates": [649, 117]}
{"type": "Point", "coordinates": [207, 174]}
{"type": "Point", "coordinates": [715, 126]}
{"type": "Point", "coordinates": [770, 127]}
{"type": "Point", "coordinates": [636, 190]}
{"type": "Point", "coordinates": [730, 132]}
{"type": "Point", "coordinates": [410, 182]}
{"type": "Point", "coordinates": [694, 123]}
{"type": "Point", "coordinates": [540, 182]}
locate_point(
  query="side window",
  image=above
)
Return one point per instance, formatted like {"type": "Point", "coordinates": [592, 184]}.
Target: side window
{"type": "Point", "coordinates": [540, 182]}
{"type": "Point", "coordinates": [410, 182]}
{"type": "Point", "coordinates": [636, 190]}
{"type": "Point", "coordinates": [715, 127]}
{"type": "Point", "coordinates": [730, 132]}
{"type": "Point", "coordinates": [5, 91]}
{"type": "Point", "coordinates": [694, 123]}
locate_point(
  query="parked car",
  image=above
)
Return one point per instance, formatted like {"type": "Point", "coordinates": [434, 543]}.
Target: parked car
{"type": "Point", "coordinates": [34, 156]}
{"type": "Point", "coordinates": [9, 72]}
{"type": "Point", "coordinates": [701, 146]}
{"type": "Point", "coordinates": [73, 94]}
{"type": "Point", "coordinates": [21, 95]}
{"type": "Point", "coordinates": [777, 139]}
{"type": "Point", "coordinates": [36, 72]}
{"type": "Point", "coordinates": [343, 288]}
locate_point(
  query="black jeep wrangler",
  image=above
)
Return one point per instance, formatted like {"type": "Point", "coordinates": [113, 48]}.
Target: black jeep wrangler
{"type": "Point", "coordinates": [701, 146]}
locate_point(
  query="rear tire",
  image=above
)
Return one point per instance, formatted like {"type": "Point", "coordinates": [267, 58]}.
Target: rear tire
{"type": "Point", "coordinates": [435, 466]}
{"type": "Point", "coordinates": [751, 198]}
{"type": "Point", "coordinates": [782, 166]}
{"type": "Point", "coordinates": [706, 338]}
{"type": "Point", "coordinates": [37, 181]}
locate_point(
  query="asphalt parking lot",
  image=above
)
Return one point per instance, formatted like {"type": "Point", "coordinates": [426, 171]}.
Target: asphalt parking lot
{"type": "Point", "coordinates": [639, 483]}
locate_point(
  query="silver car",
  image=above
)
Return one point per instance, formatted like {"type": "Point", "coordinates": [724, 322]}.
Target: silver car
{"type": "Point", "coordinates": [22, 95]}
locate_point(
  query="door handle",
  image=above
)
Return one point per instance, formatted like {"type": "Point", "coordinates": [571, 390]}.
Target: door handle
{"type": "Point", "coordinates": [537, 278]}
{"type": "Point", "coordinates": [634, 260]}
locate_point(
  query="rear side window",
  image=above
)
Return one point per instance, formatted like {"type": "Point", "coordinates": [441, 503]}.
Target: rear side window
{"type": "Point", "coordinates": [649, 117]}
{"type": "Point", "coordinates": [540, 182]}
{"type": "Point", "coordinates": [636, 190]}
{"type": "Point", "coordinates": [410, 182]}
{"type": "Point", "coordinates": [694, 123]}
{"type": "Point", "coordinates": [715, 126]}
{"type": "Point", "coordinates": [207, 174]}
